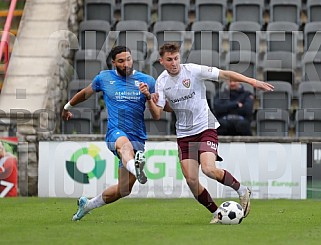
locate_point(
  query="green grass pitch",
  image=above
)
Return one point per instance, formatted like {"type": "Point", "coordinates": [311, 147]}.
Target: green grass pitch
{"type": "Point", "coordinates": [156, 221]}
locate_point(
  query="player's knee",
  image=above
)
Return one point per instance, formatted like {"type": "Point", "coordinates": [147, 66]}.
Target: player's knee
{"type": "Point", "coordinates": [125, 148]}
{"type": "Point", "coordinates": [191, 181]}
{"type": "Point", "coordinates": [208, 170]}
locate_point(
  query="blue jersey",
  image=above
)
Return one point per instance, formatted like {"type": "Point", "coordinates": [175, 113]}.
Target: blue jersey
{"type": "Point", "coordinates": [124, 101]}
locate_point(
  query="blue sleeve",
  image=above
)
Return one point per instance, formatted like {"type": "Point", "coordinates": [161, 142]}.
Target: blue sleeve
{"type": "Point", "coordinates": [151, 85]}
{"type": "Point", "coordinates": [96, 84]}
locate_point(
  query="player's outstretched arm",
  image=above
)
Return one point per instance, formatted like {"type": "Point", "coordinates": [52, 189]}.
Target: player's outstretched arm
{"type": "Point", "coordinates": [231, 75]}
{"type": "Point", "coordinates": [81, 96]}
{"type": "Point", "coordinates": [263, 86]}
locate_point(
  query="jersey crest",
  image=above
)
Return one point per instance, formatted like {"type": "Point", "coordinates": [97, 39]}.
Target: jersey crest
{"type": "Point", "coordinates": [187, 83]}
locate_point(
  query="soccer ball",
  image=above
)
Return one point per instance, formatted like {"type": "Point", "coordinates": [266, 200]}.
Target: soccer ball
{"type": "Point", "coordinates": [230, 213]}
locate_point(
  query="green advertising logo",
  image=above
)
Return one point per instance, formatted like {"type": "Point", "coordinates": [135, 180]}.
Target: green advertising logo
{"type": "Point", "coordinates": [97, 172]}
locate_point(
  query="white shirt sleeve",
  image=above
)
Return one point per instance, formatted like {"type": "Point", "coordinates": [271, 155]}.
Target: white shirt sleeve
{"type": "Point", "coordinates": [159, 88]}
{"type": "Point", "coordinates": [206, 72]}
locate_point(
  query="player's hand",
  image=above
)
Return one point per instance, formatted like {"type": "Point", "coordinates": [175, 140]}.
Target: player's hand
{"type": "Point", "coordinates": [66, 115]}
{"type": "Point", "coordinates": [263, 86]}
{"type": "Point", "coordinates": [155, 97]}
{"type": "Point", "coordinates": [143, 87]}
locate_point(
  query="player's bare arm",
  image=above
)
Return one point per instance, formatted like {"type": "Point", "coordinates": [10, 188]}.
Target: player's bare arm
{"type": "Point", "coordinates": [167, 107]}
{"type": "Point", "coordinates": [81, 96]}
{"type": "Point", "coordinates": [226, 75]}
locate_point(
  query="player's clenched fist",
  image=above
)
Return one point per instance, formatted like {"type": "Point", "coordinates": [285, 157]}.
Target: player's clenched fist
{"type": "Point", "coordinates": [143, 87]}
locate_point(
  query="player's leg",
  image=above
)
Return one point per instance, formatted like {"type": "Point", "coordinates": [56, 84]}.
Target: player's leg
{"type": "Point", "coordinates": [120, 145]}
{"type": "Point", "coordinates": [124, 187]}
{"type": "Point", "coordinates": [188, 155]}
{"type": "Point", "coordinates": [126, 181]}
{"type": "Point", "coordinates": [208, 156]}
{"type": "Point", "coordinates": [190, 169]}
{"type": "Point", "coordinates": [134, 163]}
{"type": "Point", "coordinates": [208, 166]}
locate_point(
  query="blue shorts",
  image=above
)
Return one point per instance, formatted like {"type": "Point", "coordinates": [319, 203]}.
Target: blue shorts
{"type": "Point", "coordinates": [114, 134]}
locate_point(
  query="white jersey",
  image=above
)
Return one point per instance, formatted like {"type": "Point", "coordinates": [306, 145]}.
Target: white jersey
{"type": "Point", "coordinates": [186, 93]}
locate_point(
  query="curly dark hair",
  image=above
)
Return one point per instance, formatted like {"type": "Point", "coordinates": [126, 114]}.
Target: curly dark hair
{"type": "Point", "coordinates": [117, 50]}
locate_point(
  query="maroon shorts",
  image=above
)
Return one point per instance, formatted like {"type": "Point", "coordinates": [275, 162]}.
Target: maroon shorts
{"type": "Point", "coordinates": [191, 147]}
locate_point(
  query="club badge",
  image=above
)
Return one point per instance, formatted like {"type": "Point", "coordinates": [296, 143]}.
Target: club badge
{"type": "Point", "coordinates": [187, 83]}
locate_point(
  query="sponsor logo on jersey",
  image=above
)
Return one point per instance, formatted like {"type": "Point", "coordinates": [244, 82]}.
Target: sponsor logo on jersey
{"type": "Point", "coordinates": [187, 83]}
{"type": "Point", "coordinates": [137, 83]}
{"type": "Point", "coordinates": [186, 97]}
{"type": "Point", "coordinates": [111, 82]}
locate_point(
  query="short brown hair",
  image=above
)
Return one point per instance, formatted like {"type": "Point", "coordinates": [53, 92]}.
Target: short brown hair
{"type": "Point", "coordinates": [168, 47]}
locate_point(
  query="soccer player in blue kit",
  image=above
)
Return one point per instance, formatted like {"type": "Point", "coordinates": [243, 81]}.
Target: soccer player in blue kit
{"type": "Point", "coordinates": [125, 92]}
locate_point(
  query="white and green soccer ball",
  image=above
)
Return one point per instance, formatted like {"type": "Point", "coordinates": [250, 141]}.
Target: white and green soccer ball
{"type": "Point", "coordinates": [230, 213]}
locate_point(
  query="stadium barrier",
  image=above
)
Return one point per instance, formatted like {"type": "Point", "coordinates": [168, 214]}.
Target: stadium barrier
{"type": "Point", "coordinates": [272, 170]}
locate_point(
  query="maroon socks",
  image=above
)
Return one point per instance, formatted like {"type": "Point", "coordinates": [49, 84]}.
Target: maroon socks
{"type": "Point", "coordinates": [229, 180]}
{"type": "Point", "coordinates": [206, 200]}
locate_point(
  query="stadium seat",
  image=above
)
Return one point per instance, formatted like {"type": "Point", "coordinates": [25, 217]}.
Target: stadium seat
{"type": "Point", "coordinates": [279, 66]}
{"type": "Point", "coordinates": [88, 63]}
{"type": "Point", "coordinates": [207, 35]}
{"type": "Point", "coordinates": [285, 10]}
{"type": "Point", "coordinates": [309, 94]}
{"type": "Point", "coordinates": [138, 60]}
{"type": "Point", "coordinates": [210, 93]}
{"type": "Point", "coordinates": [154, 67]}
{"type": "Point", "coordinates": [248, 10]}
{"type": "Point", "coordinates": [136, 10]}
{"type": "Point", "coordinates": [244, 35]}
{"type": "Point", "coordinates": [75, 86]}
{"type": "Point", "coordinates": [173, 10]}
{"type": "Point", "coordinates": [204, 57]}
{"type": "Point", "coordinates": [133, 34]}
{"type": "Point", "coordinates": [169, 31]}
{"type": "Point", "coordinates": [279, 98]}
{"type": "Point", "coordinates": [103, 119]}
{"type": "Point", "coordinates": [99, 10]}
{"type": "Point", "coordinates": [93, 34]}
{"type": "Point", "coordinates": [80, 123]}
{"type": "Point", "coordinates": [313, 10]}
{"type": "Point", "coordinates": [244, 62]}
{"type": "Point", "coordinates": [308, 123]}
{"type": "Point", "coordinates": [312, 36]}
{"type": "Point", "coordinates": [211, 10]}
{"type": "Point", "coordinates": [158, 127]}
{"type": "Point", "coordinates": [272, 122]}
{"type": "Point", "coordinates": [311, 66]}
{"type": "Point", "coordinates": [282, 36]}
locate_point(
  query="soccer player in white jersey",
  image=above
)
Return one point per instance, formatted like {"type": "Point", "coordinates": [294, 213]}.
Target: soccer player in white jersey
{"type": "Point", "coordinates": [182, 86]}
{"type": "Point", "coordinates": [125, 137]}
